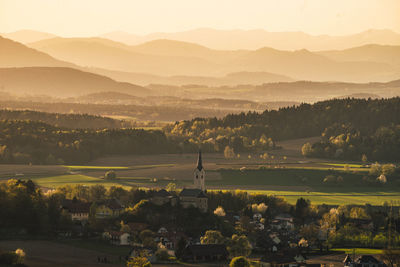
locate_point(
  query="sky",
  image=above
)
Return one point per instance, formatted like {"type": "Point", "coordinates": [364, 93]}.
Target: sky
{"type": "Point", "coordinates": [95, 17]}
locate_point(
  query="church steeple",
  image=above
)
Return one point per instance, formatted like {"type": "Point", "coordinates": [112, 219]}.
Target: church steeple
{"type": "Point", "coordinates": [199, 174]}
{"type": "Point", "coordinates": [199, 162]}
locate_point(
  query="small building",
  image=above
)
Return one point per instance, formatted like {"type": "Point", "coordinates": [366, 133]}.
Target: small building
{"type": "Point", "coordinates": [206, 253]}
{"type": "Point", "coordinates": [108, 208]}
{"type": "Point", "coordinates": [162, 197]}
{"type": "Point", "coordinates": [196, 198]}
{"type": "Point", "coordinates": [117, 238]}
{"type": "Point", "coordinates": [257, 216]}
{"type": "Point", "coordinates": [366, 224]}
{"type": "Point", "coordinates": [79, 210]}
{"type": "Point", "coordinates": [283, 222]}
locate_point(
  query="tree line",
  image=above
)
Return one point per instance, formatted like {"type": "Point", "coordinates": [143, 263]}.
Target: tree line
{"type": "Point", "coordinates": [371, 123]}
{"type": "Point", "coordinates": [73, 121]}
{"type": "Point", "coordinates": [348, 142]}
{"type": "Point", "coordinates": [40, 143]}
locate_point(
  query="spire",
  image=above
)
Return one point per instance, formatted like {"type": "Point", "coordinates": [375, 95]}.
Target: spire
{"type": "Point", "coordinates": [199, 162]}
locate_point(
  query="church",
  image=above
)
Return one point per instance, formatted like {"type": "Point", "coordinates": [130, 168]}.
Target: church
{"type": "Point", "coordinates": [196, 196]}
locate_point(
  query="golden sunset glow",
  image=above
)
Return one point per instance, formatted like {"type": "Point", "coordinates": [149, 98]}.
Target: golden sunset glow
{"type": "Point", "coordinates": [94, 17]}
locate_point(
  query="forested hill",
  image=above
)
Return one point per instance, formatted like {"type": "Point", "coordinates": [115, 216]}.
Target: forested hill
{"type": "Point", "coordinates": [251, 131]}
{"type": "Point", "coordinates": [72, 121]}
{"type": "Point", "coordinates": [41, 143]}
{"type": "Point", "coordinates": [307, 120]}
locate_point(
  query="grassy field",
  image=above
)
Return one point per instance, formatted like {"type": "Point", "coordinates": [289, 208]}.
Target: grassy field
{"type": "Point", "coordinates": [377, 198]}
{"type": "Point", "coordinates": [71, 179]}
{"type": "Point", "coordinates": [311, 178]}
{"type": "Point", "coordinates": [288, 175]}
{"type": "Point", "coordinates": [279, 182]}
{"type": "Point", "coordinates": [359, 251]}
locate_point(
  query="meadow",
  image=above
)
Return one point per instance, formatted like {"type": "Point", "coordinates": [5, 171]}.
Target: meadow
{"type": "Point", "coordinates": [289, 183]}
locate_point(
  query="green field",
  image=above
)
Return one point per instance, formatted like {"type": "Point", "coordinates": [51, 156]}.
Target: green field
{"type": "Point", "coordinates": [290, 181]}
{"type": "Point", "coordinates": [335, 198]}
{"type": "Point", "coordinates": [300, 177]}
{"type": "Point", "coordinates": [359, 251]}
{"type": "Point", "coordinates": [71, 179]}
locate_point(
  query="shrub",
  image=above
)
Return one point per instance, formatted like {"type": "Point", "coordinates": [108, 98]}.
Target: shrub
{"type": "Point", "coordinates": [162, 255]}
{"type": "Point", "coordinates": [239, 262]}
{"type": "Point", "coordinates": [110, 175]}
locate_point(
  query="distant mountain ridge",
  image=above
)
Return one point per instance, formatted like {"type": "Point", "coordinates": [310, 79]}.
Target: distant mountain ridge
{"type": "Point", "coordinates": [255, 39]}
{"type": "Point", "coordinates": [60, 81]}
{"type": "Point", "coordinates": [14, 54]}
{"type": "Point", "coordinates": [172, 58]}
{"type": "Point", "coordinates": [28, 36]}
{"type": "Point", "coordinates": [230, 79]}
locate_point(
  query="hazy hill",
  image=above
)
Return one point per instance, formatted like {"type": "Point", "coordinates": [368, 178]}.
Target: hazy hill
{"type": "Point", "coordinates": [231, 79]}
{"type": "Point", "coordinates": [101, 53]}
{"type": "Point", "coordinates": [28, 36]}
{"type": "Point", "coordinates": [255, 39]}
{"type": "Point", "coordinates": [165, 47]}
{"type": "Point", "coordinates": [14, 54]}
{"type": "Point", "coordinates": [192, 60]}
{"type": "Point", "coordinates": [372, 52]}
{"type": "Point", "coordinates": [61, 82]}
{"type": "Point", "coordinates": [306, 65]}
{"type": "Point", "coordinates": [299, 91]}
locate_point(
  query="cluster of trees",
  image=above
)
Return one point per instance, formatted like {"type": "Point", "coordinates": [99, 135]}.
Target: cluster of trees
{"type": "Point", "coordinates": [41, 143]}
{"type": "Point", "coordinates": [252, 130]}
{"type": "Point", "coordinates": [361, 226]}
{"type": "Point", "coordinates": [241, 138]}
{"type": "Point", "coordinates": [345, 141]}
{"type": "Point", "coordinates": [12, 258]}
{"type": "Point", "coordinates": [24, 208]}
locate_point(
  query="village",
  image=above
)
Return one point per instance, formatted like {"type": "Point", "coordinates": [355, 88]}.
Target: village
{"type": "Point", "coordinates": [167, 225]}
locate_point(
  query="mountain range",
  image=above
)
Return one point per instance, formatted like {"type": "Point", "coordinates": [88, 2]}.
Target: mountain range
{"type": "Point", "coordinates": [172, 58]}
{"type": "Point", "coordinates": [76, 66]}
{"type": "Point", "coordinates": [61, 82]}
{"type": "Point", "coordinates": [255, 39]}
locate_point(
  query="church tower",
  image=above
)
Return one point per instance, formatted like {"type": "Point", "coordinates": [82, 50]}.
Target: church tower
{"type": "Point", "coordinates": [199, 175]}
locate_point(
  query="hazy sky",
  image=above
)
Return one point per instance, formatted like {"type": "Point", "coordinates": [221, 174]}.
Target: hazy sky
{"type": "Point", "coordinates": [93, 17]}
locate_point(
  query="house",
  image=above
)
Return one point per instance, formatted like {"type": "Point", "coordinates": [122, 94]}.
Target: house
{"type": "Point", "coordinates": [283, 222]}
{"type": "Point", "coordinates": [257, 216]}
{"type": "Point", "coordinates": [363, 261]}
{"type": "Point", "coordinates": [108, 208]}
{"type": "Point", "coordinates": [365, 224]}
{"type": "Point", "coordinates": [193, 198]}
{"type": "Point", "coordinates": [162, 231]}
{"type": "Point", "coordinates": [78, 210]}
{"type": "Point", "coordinates": [209, 252]}
{"type": "Point", "coordinates": [117, 238]}
{"type": "Point", "coordinates": [162, 197]}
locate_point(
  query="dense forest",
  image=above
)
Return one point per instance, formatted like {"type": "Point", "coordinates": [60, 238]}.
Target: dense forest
{"type": "Point", "coordinates": [350, 129]}
{"type": "Point", "coordinates": [347, 142]}
{"type": "Point", "coordinates": [41, 143]}
{"type": "Point", "coordinates": [172, 113]}
{"type": "Point", "coordinates": [372, 123]}
{"type": "Point", "coordinates": [73, 121]}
